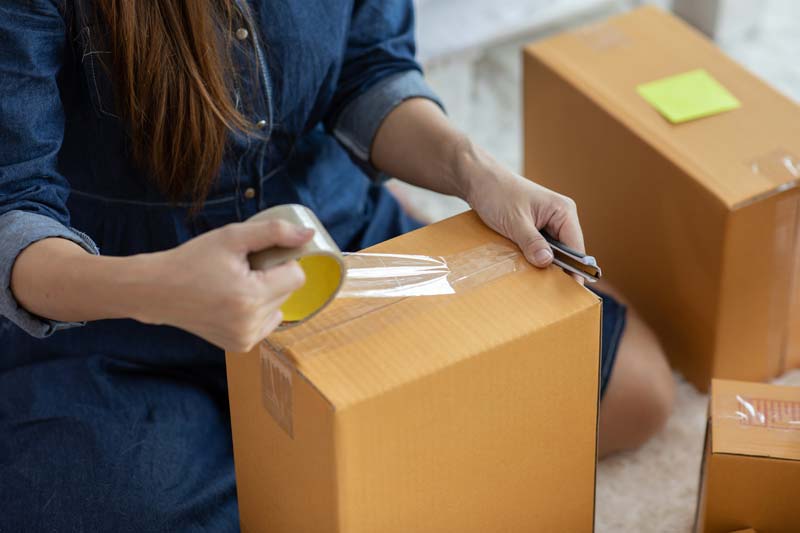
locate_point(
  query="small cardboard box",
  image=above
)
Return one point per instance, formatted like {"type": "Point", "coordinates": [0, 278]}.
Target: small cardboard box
{"type": "Point", "coordinates": [468, 412]}
{"type": "Point", "coordinates": [695, 222]}
{"type": "Point", "coordinates": [751, 465]}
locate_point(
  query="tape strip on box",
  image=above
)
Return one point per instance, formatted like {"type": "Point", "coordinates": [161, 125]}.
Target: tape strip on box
{"type": "Point", "coordinates": [602, 37]}
{"type": "Point", "coordinates": [791, 348]}
{"type": "Point", "coordinates": [779, 166]}
{"type": "Point", "coordinates": [768, 413]}
{"type": "Point", "coordinates": [330, 273]}
{"type": "Point", "coordinates": [782, 168]}
{"type": "Point", "coordinates": [464, 271]}
{"type": "Point", "coordinates": [784, 243]}
{"type": "Point", "coordinates": [277, 392]}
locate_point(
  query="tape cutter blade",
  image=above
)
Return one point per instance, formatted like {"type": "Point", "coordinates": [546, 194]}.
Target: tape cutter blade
{"type": "Point", "coordinates": [574, 261]}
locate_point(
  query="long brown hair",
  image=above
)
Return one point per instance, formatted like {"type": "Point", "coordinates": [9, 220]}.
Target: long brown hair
{"type": "Point", "coordinates": [172, 69]}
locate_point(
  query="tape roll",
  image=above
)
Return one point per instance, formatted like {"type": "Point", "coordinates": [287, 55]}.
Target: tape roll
{"type": "Point", "coordinates": [320, 259]}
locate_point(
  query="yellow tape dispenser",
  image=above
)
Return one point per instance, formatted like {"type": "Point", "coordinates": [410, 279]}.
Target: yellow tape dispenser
{"type": "Point", "coordinates": [320, 259]}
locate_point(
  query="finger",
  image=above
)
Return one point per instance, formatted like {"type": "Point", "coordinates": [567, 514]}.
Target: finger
{"type": "Point", "coordinates": [274, 304]}
{"type": "Point", "coordinates": [260, 235]}
{"type": "Point", "coordinates": [535, 247]}
{"type": "Point", "coordinates": [281, 280]}
{"type": "Point", "coordinates": [565, 226]}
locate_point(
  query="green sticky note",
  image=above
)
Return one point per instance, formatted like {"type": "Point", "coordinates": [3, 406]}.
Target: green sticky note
{"type": "Point", "coordinates": [688, 96]}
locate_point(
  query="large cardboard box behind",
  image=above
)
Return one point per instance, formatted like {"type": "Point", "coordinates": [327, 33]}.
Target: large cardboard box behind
{"type": "Point", "coordinates": [751, 466]}
{"type": "Point", "coordinates": [468, 412]}
{"type": "Point", "coordinates": [695, 222]}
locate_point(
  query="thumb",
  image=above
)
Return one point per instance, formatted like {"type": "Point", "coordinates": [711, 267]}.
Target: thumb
{"type": "Point", "coordinates": [260, 235]}
{"type": "Point", "coordinates": [535, 247]}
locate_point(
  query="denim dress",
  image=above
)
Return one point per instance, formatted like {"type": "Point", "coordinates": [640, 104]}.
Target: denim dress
{"type": "Point", "coordinates": [119, 426]}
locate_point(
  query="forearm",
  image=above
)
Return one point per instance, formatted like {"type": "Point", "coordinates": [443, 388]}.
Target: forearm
{"type": "Point", "coordinates": [418, 144]}
{"type": "Point", "coordinates": [57, 279]}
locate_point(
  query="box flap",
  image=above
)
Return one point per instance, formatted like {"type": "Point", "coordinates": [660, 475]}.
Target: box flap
{"type": "Point", "coordinates": [358, 348]}
{"type": "Point", "coordinates": [738, 155]}
{"type": "Point", "coordinates": [755, 419]}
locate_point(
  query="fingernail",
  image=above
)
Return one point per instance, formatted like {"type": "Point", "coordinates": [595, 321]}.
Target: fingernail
{"type": "Point", "coordinates": [304, 232]}
{"type": "Point", "coordinates": [543, 256]}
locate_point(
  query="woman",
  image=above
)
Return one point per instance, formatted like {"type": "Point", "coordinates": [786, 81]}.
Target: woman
{"type": "Point", "coordinates": [149, 131]}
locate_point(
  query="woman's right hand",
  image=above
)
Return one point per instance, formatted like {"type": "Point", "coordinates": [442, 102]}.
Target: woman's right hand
{"type": "Point", "coordinates": [206, 285]}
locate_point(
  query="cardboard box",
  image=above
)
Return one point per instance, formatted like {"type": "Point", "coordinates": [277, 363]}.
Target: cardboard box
{"type": "Point", "coordinates": [751, 464]}
{"type": "Point", "coordinates": [695, 222]}
{"type": "Point", "coordinates": [469, 412]}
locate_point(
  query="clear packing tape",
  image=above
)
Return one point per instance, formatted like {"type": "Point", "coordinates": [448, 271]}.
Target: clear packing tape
{"type": "Point", "coordinates": [755, 420]}
{"type": "Point", "coordinates": [767, 413]}
{"type": "Point", "coordinates": [781, 168]}
{"type": "Point", "coordinates": [369, 276]}
{"type": "Point", "coordinates": [370, 288]}
{"type": "Point", "coordinates": [398, 275]}
{"type": "Point", "coordinates": [394, 275]}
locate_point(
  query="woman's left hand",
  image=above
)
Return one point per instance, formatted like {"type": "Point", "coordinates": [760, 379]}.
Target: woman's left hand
{"type": "Point", "coordinates": [418, 144]}
{"type": "Point", "coordinates": [518, 208]}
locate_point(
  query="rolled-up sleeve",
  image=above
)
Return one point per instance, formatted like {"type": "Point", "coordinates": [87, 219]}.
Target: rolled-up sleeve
{"type": "Point", "coordinates": [379, 73]}
{"type": "Point", "coordinates": [33, 194]}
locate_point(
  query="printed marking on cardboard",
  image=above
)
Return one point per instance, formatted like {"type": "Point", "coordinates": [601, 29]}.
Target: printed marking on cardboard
{"type": "Point", "coordinates": [768, 413]}
{"type": "Point", "coordinates": [277, 391]}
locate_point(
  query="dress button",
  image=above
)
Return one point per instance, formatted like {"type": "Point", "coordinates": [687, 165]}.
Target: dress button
{"type": "Point", "coordinates": [250, 193]}
{"type": "Point", "coordinates": [242, 34]}
{"type": "Point", "coordinates": [261, 124]}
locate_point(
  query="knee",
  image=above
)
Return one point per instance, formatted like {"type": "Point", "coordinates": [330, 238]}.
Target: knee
{"type": "Point", "coordinates": [651, 396]}
{"type": "Point", "coordinates": [654, 400]}
{"type": "Point", "coordinates": [641, 392]}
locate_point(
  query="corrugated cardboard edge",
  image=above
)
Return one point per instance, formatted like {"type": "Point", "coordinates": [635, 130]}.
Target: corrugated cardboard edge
{"type": "Point", "coordinates": [781, 188]}
{"type": "Point", "coordinates": [597, 418]}
{"type": "Point", "coordinates": [563, 68]}
{"type": "Point", "coordinates": [698, 509]}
